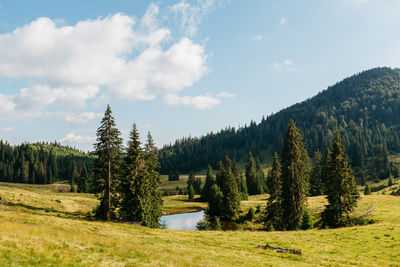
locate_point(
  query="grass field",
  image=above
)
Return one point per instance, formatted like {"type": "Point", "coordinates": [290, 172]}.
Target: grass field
{"type": "Point", "coordinates": [40, 227]}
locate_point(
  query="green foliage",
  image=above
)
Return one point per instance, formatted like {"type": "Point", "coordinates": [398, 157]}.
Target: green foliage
{"type": "Point", "coordinates": [342, 194]}
{"type": "Point", "coordinates": [191, 192]}
{"type": "Point", "coordinates": [390, 182]}
{"type": "Point", "coordinates": [108, 152]}
{"type": "Point", "coordinates": [229, 187]}
{"type": "Point", "coordinates": [251, 214]}
{"type": "Point", "coordinates": [367, 191]}
{"type": "Point", "coordinates": [307, 220]}
{"type": "Point", "coordinates": [295, 178]}
{"type": "Point", "coordinates": [254, 176]}
{"type": "Point", "coordinates": [215, 201]}
{"type": "Point", "coordinates": [210, 181]}
{"type": "Point", "coordinates": [365, 109]}
{"type": "Point", "coordinates": [317, 185]}
{"type": "Point", "coordinates": [273, 211]}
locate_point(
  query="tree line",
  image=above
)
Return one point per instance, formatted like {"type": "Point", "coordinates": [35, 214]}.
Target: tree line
{"type": "Point", "coordinates": [364, 108]}
{"type": "Point", "coordinates": [288, 185]}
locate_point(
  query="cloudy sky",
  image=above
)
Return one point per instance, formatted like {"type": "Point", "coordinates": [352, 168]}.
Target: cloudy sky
{"type": "Point", "coordinates": [177, 68]}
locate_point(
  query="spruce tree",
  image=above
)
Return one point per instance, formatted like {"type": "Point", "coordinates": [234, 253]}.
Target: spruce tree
{"type": "Point", "coordinates": [83, 185]}
{"type": "Point", "coordinates": [191, 192]}
{"type": "Point", "coordinates": [390, 182]}
{"type": "Point", "coordinates": [295, 178]}
{"type": "Point", "coordinates": [108, 152]}
{"type": "Point", "coordinates": [210, 181]}
{"type": "Point", "coordinates": [273, 212]}
{"type": "Point", "coordinates": [342, 194]}
{"type": "Point", "coordinates": [133, 186]}
{"type": "Point", "coordinates": [215, 205]}
{"type": "Point", "coordinates": [231, 200]}
{"type": "Point", "coordinates": [367, 191]}
{"type": "Point", "coordinates": [154, 201]}
{"type": "Point", "coordinates": [251, 175]}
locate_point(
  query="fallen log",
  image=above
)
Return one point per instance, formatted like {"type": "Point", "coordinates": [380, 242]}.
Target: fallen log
{"type": "Point", "coordinates": [281, 250]}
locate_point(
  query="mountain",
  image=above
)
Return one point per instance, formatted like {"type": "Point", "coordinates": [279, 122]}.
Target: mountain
{"type": "Point", "coordinates": [365, 108]}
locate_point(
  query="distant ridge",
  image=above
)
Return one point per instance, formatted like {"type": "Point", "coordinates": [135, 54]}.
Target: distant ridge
{"type": "Point", "coordinates": [365, 108]}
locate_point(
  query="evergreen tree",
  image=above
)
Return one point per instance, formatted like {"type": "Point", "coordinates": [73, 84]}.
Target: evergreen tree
{"type": "Point", "coordinates": [342, 194]}
{"type": "Point", "coordinates": [251, 175]}
{"type": "Point", "coordinates": [83, 184]}
{"type": "Point", "coordinates": [307, 221]}
{"type": "Point", "coordinates": [260, 177]}
{"type": "Point", "coordinates": [210, 181]}
{"type": "Point", "coordinates": [295, 178]}
{"type": "Point", "coordinates": [133, 186]}
{"type": "Point", "coordinates": [243, 187]}
{"type": "Point", "coordinates": [273, 212]}
{"type": "Point", "coordinates": [367, 191]}
{"type": "Point", "coordinates": [155, 201]}
{"type": "Point", "coordinates": [191, 192]}
{"type": "Point", "coordinates": [215, 205]}
{"type": "Point", "coordinates": [390, 182]}
{"type": "Point", "coordinates": [316, 182]}
{"type": "Point", "coordinates": [191, 182]}
{"type": "Point", "coordinates": [108, 151]}
{"type": "Point", "coordinates": [231, 200]}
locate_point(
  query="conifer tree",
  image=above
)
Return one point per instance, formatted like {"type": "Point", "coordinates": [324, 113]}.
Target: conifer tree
{"type": "Point", "coordinates": [243, 187]}
{"type": "Point", "coordinates": [132, 184]}
{"type": "Point", "coordinates": [367, 191]}
{"type": "Point", "coordinates": [210, 181]}
{"type": "Point", "coordinates": [215, 205]}
{"type": "Point", "coordinates": [273, 212]}
{"type": "Point", "coordinates": [108, 152]}
{"type": "Point", "coordinates": [342, 194]}
{"type": "Point", "coordinates": [251, 175]}
{"type": "Point", "coordinates": [295, 178]}
{"type": "Point", "coordinates": [191, 192]}
{"type": "Point", "coordinates": [260, 177]}
{"type": "Point", "coordinates": [231, 200]}
{"type": "Point", "coordinates": [83, 183]}
{"type": "Point", "coordinates": [390, 182]}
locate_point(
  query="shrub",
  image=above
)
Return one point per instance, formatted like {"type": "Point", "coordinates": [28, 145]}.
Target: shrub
{"type": "Point", "coordinates": [251, 214]}
{"type": "Point", "coordinates": [307, 220]}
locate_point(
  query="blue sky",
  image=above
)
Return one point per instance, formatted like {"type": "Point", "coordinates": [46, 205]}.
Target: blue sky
{"type": "Point", "coordinates": [177, 68]}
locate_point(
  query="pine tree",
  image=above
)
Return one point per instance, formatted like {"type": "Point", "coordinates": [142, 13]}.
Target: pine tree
{"type": "Point", "coordinates": [215, 205]}
{"type": "Point", "coordinates": [83, 184]}
{"type": "Point", "coordinates": [132, 184]}
{"type": "Point", "coordinates": [210, 181]}
{"type": "Point", "coordinates": [295, 178]}
{"type": "Point", "coordinates": [155, 201]}
{"type": "Point", "coordinates": [307, 220]}
{"type": "Point", "coordinates": [231, 200]}
{"type": "Point", "coordinates": [108, 151]}
{"type": "Point", "coordinates": [243, 187]}
{"type": "Point", "coordinates": [191, 192]}
{"type": "Point", "coordinates": [251, 175]}
{"type": "Point", "coordinates": [390, 182]}
{"type": "Point", "coordinates": [342, 194]}
{"type": "Point", "coordinates": [316, 183]}
{"type": "Point", "coordinates": [273, 211]}
{"type": "Point", "coordinates": [191, 183]}
{"type": "Point", "coordinates": [367, 191]}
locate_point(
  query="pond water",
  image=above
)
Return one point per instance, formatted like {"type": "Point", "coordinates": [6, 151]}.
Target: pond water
{"type": "Point", "coordinates": [184, 221]}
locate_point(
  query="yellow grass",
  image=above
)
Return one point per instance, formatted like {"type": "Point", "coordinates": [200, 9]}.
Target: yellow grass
{"type": "Point", "coordinates": [40, 227]}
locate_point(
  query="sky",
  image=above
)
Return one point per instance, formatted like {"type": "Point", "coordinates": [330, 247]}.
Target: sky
{"type": "Point", "coordinates": [177, 68]}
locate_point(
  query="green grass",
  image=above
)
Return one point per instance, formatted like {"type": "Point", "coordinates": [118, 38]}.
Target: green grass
{"type": "Point", "coordinates": [40, 227]}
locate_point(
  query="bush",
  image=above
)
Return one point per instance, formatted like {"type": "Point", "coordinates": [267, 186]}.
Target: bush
{"type": "Point", "coordinates": [258, 209]}
{"type": "Point", "coordinates": [202, 225]}
{"type": "Point", "coordinates": [251, 214]}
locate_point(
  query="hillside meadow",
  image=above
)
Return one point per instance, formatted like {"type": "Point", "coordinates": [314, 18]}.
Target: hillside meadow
{"type": "Point", "coordinates": [40, 227]}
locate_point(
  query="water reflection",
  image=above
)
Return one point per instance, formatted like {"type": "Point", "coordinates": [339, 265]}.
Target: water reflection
{"type": "Point", "coordinates": [184, 221]}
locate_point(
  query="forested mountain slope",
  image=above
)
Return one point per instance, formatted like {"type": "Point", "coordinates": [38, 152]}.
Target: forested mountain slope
{"type": "Point", "coordinates": [365, 108]}
{"type": "Point", "coordinates": [41, 163]}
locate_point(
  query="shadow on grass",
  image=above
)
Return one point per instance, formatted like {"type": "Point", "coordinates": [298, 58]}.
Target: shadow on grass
{"type": "Point", "coordinates": [50, 211]}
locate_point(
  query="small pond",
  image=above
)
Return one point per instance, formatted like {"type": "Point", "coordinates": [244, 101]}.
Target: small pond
{"type": "Point", "coordinates": [184, 221]}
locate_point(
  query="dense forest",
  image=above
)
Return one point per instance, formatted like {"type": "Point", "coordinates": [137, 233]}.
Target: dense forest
{"type": "Point", "coordinates": [42, 163]}
{"type": "Point", "coordinates": [365, 108]}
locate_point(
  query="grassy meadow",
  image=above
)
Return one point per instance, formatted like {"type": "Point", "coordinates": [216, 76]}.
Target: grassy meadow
{"type": "Point", "coordinates": [40, 226]}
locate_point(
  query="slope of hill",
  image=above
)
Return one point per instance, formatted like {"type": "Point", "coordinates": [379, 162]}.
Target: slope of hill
{"type": "Point", "coordinates": [39, 227]}
{"type": "Point", "coordinates": [365, 108]}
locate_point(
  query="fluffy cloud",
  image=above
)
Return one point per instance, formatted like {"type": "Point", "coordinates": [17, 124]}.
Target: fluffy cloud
{"type": "Point", "coordinates": [82, 117]}
{"type": "Point", "coordinates": [110, 56]}
{"type": "Point", "coordinates": [71, 138]}
{"type": "Point", "coordinates": [199, 102]}
{"type": "Point", "coordinates": [226, 94]}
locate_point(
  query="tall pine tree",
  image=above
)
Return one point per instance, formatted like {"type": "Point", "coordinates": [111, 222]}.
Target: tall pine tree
{"type": "Point", "coordinates": [108, 152]}
{"type": "Point", "coordinates": [342, 194]}
{"type": "Point", "coordinates": [273, 212]}
{"type": "Point", "coordinates": [295, 178]}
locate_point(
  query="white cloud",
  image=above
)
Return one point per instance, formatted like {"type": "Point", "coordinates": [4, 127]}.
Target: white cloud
{"type": "Point", "coordinates": [71, 138]}
{"type": "Point", "coordinates": [285, 65]}
{"type": "Point", "coordinates": [283, 20]}
{"type": "Point", "coordinates": [81, 117]}
{"type": "Point", "coordinates": [191, 15]}
{"type": "Point", "coordinates": [226, 94]}
{"type": "Point", "coordinates": [104, 57]}
{"type": "Point", "coordinates": [199, 102]}
{"type": "Point", "coordinates": [257, 37]}
{"type": "Point", "coordinates": [7, 129]}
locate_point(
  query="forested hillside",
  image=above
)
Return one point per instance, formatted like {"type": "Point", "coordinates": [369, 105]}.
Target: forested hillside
{"type": "Point", "coordinates": [365, 108]}
{"type": "Point", "coordinates": [41, 163]}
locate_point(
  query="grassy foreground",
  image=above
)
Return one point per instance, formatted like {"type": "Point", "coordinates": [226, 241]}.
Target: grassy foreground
{"type": "Point", "coordinates": [40, 227]}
